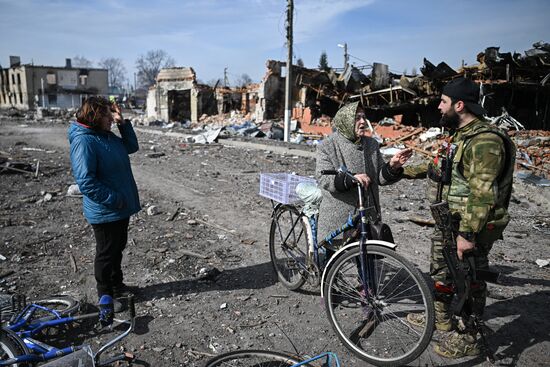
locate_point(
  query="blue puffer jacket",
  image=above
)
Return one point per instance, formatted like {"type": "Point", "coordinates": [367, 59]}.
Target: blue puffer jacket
{"type": "Point", "coordinates": [101, 168]}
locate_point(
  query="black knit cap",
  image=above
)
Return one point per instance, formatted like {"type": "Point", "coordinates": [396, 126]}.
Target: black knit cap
{"type": "Point", "coordinates": [467, 91]}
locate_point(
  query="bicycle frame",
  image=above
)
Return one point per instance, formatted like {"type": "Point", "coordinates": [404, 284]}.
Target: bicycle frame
{"type": "Point", "coordinates": [330, 357]}
{"type": "Point", "coordinates": [365, 271]}
{"type": "Point", "coordinates": [39, 351]}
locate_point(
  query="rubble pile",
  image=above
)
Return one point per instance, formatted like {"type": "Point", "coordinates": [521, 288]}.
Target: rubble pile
{"type": "Point", "coordinates": [533, 148]}
{"type": "Point", "coordinates": [511, 82]}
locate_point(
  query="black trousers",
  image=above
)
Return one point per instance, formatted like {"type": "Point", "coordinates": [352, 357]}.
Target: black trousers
{"type": "Point", "coordinates": [110, 240]}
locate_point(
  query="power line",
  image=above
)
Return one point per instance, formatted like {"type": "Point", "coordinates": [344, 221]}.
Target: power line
{"type": "Point", "coordinates": [369, 63]}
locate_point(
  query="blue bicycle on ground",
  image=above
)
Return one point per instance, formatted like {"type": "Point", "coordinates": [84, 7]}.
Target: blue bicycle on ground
{"type": "Point", "coordinates": [266, 358]}
{"type": "Point", "coordinates": [19, 336]}
{"type": "Point", "coordinates": [367, 287]}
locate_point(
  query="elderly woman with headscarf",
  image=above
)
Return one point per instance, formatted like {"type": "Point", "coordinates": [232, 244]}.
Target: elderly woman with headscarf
{"type": "Point", "coordinates": [350, 146]}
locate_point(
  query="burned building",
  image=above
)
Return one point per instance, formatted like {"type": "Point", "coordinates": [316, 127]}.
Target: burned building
{"type": "Point", "coordinates": [28, 86]}
{"type": "Point", "coordinates": [516, 83]}
{"type": "Point", "coordinates": [176, 96]}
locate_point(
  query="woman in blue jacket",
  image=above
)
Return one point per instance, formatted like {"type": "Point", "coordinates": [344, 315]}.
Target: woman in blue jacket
{"type": "Point", "coordinates": [101, 168]}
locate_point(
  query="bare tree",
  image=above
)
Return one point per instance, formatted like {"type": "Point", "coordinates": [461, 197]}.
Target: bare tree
{"type": "Point", "coordinates": [117, 71]}
{"type": "Point", "coordinates": [413, 71]}
{"type": "Point", "coordinates": [323, 62]}
{"type": "Point", "coordinates": [81, 62]}
{"type": "Point", "coordinates": [300, 62]}
{"type": "Point", "coordinates": [148, 66]}
{"type": "Point", "coordinates": [244, 80]}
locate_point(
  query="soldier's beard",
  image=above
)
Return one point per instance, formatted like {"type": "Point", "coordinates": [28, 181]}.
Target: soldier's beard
{"type": "Point", "coordinates": [450, 120]}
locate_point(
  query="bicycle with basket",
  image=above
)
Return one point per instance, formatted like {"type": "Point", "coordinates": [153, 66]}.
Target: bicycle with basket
{"type": "Point", "coordinates": [366, 286]}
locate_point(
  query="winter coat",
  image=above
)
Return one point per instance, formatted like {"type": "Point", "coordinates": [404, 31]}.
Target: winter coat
{"type": "Point", "coordinates": [343, 148]}
{"type": "Point", "coordinates": [101, 168]}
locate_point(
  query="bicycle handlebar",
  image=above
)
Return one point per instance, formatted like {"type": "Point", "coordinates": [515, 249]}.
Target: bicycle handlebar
{"type": "Point", "coordinates": [342, 169]}
{"type": "Point", "coordinates": [332, 172]}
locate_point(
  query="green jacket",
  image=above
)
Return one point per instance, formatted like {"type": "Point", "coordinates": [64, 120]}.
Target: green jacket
{"type": "Point", "coordinates": [481, 179]}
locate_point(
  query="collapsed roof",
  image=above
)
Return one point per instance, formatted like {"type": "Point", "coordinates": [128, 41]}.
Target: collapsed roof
{"type": "Point", "coordinates": [518, 83]}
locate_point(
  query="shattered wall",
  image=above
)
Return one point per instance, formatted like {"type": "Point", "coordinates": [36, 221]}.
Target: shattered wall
{"type": "Point", "coordinates": [176, 96]}
{"type": "Point", "coordinates": [21, 86]}
{"type": "Point", "coordinates": [271, 92]}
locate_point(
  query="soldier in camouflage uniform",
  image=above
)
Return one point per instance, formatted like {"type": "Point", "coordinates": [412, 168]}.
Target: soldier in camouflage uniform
{"type": "Point", "coordinates": [479, 192]}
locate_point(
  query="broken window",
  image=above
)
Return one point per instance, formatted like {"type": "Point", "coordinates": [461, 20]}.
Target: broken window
{"type": "Point", "coordinates": [50, 77]}
{"type": "Point", "coordinates": [52, 99]}
{"type": "Point", "coordinates": [179, 105]}
{"type": "Point", "coordinates": [13, 78]}
{"type": "Point", "coordinates": [19, 79]}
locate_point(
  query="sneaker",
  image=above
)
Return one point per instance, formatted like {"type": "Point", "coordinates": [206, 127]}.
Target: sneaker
{"type": "Point", "coordinates": [117, 306]}
{"type": "Point", "coordinates": [457, 345]}
{"type": "Point", "coordinates": [123, 290]}
{"type": "Point", "coordinates": [419, 320]}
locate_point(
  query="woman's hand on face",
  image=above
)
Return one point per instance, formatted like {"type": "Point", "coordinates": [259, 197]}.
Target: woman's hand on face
{"type": "Point", "coordinates": [399, 159]}
{"type": "Point", "coordinates": [117, 113]}
{"type": "Point", "coordinates": [363, 179]}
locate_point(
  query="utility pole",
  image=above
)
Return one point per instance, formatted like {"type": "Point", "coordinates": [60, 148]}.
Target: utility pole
{"type": "Point", "coordinates": [346, 55]}
{"type": "Point", "coordinates": [225, 79]}
{"type": "Point", "coordinates": [42, 86]}
{"type": "Point", "coordinates": [288, 84]}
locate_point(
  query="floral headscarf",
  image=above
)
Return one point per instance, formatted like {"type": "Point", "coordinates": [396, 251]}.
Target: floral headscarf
{"type": "Point", "coordinates": [344, 122]}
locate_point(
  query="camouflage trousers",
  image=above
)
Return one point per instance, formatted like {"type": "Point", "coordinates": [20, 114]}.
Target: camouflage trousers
{"type": "Point", "coordinates": [439, 266]}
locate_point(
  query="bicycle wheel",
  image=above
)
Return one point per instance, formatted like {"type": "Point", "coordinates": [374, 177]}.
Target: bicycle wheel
{"type": "Point", "coordinates": [64, 305]}
{"type": "Point", "coordinates": [288, 246]}
{"type": "Point", "coordinates": [12, 346]}
{"type": "Point", "coordinates": [252, 358]}
{"type": "Point", "coordinates": [374, 326]}
{"type": "Point", "coordinates": [6, 310]}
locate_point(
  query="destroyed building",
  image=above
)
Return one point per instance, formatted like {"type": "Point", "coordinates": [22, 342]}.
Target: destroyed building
{"type": "Point", "coordinates": [176, 96]}
{"type": "Point", "coordinates": [28, 86]}
{"type": "Point", "coordinates": [271, 90]}
{"type": "Point", "coordinates": [515, 83]}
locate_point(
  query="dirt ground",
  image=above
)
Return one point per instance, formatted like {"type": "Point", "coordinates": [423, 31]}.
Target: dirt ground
{"type": "Point", "coordinates": [224, 295]}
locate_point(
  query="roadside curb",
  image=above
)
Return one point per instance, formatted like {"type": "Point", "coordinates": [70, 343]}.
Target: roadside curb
{"type": "Point", "coordinates": [236, 143]}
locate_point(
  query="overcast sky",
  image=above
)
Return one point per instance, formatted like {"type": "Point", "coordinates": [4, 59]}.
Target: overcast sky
{"type": "Point", "coordinates": [241, 35]}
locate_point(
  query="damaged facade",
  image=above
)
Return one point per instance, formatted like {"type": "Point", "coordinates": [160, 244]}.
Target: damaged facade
{"type": "Point", "coordinates": [30, 86]}
{"type": "Point", "coordinates": [176, 96]}
{"type": "Point", "coordinates": [518, 84]}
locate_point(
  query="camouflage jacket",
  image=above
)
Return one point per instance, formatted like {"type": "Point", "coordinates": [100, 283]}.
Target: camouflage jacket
{"type": "Point", "coordinates": [481, 179]}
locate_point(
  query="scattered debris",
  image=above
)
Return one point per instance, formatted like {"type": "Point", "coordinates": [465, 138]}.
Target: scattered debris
{"type": "Point", "coordinates": [533, 179]}
{"type": "Point", "coordinates": [193, 254]}
{"type": "Point", "coordinates": [152, 210]}
{"type": "Point", "coordinates": [74, 191]}
{"type": "Point", "coordinates": [422, 221]}
{"type": "Point", "coordinates": [73, 262]}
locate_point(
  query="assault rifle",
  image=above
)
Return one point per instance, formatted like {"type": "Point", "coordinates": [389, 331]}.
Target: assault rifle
{"type": "Point", "coordinates": [463, 273]}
